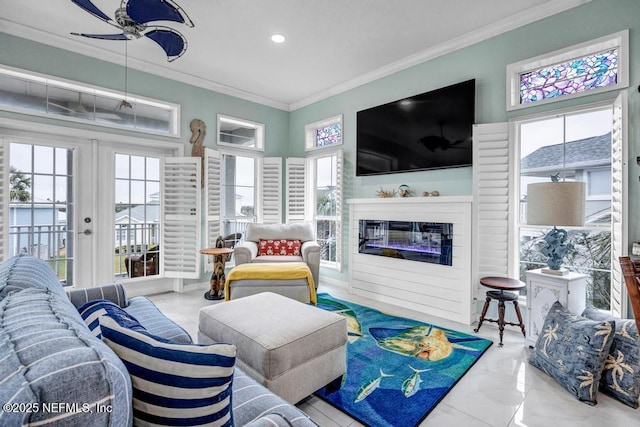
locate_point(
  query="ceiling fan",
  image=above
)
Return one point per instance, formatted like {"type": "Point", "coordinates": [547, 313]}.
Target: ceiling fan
{"type": "Point", "coordinates": [133, 19]}
{"type": "Point", "coordinates": [79, 109]}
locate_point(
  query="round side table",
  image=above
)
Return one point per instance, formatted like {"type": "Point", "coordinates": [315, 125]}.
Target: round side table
{"type": "Point", "coordinates": [502, 284]}
{"type": "Point", "coordinates": [217, 277]}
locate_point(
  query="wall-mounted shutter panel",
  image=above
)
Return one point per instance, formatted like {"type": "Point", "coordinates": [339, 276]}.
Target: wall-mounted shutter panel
{"type": "Point", "coordinates": [339, 189]}
{"type": "Point", "coordinates": [213, 200]}
{"type": "Point", "coordinates": [4, 198]}
{"type": "Point", "coordinates": [619, 243]}
{"type": "Point", "coordinates": [296, 186]}
{"type": "Point", "coordinates": [181, 217]}
{"type": "Point", "coordinates": [493, 252]}
{"type": "Point", "coordinates": [272, 190]}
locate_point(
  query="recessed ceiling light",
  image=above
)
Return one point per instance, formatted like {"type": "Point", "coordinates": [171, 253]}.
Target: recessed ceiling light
{"type": "Point", "coordinates": [277, 38]}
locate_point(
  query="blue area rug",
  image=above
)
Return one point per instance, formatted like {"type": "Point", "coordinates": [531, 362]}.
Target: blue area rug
{"type": "Point", "coordinates": [398, 369]}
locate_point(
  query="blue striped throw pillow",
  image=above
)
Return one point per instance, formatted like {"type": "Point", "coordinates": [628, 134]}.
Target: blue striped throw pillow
{"type": "Point", "coordinates": [93, 310]}
{"type": "Point", "coordinates": [174, 384]}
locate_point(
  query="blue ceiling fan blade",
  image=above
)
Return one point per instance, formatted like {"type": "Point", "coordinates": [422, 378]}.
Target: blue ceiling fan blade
{"type": "Point", "coordinates": [171, 41]}
{"type": "Point", "coordinates": [92, 9]}
{"type": "Point", "coordinates": [145, 11]}
{"type": "Point", "coordinates": [103, 36]}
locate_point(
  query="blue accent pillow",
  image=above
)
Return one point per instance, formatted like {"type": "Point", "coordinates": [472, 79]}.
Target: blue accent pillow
{"type": "Point", "coordinates": [174, 384]}
{"type": "Point", "coordinates": [93, 310]}
{"type": "Point", "coordinates": [621, 374]}
{"type": "Point", "coordinates": [572, 350]}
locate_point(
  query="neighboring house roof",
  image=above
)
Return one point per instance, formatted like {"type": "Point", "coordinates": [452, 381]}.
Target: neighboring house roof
{"type": "Point", "coordinates": [581, 154]}
{"type": "Point", "coordinates": [137, 214]}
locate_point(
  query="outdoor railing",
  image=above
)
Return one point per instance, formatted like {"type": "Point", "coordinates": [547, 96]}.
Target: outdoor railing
{"type": "Point", "coordinates": [47, 241]}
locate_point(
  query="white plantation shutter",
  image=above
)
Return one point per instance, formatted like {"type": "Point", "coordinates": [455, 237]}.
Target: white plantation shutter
{"type": "Point", "coordinates": [493, 247]}
{"type": "Point", "coordinates": [339, 187]}
{"type": "Point", "coordinates": [619, 243]}
{"type": "Point", "coordinates": [296, 189]}
{"type": "Point", "coordinates": [213, 196]}
{"type": "Point", "coordinates": [4, 198]}
{"type": "Point", "coordinates": [213, 201]}
{"type": "Point", "coordinates": [271, 184]}
{"type": "Point", "coordinates": [181, 217]}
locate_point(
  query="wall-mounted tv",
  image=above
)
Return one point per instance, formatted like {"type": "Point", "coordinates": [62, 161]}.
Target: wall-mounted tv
{"type": "Point", "coordinates": [427, 131]}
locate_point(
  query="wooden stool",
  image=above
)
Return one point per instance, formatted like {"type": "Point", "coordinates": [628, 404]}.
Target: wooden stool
{"type": "Point", "coordinates": [502, 284]}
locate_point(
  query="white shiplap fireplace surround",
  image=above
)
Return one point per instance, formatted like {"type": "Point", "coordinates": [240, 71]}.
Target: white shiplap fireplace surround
{"type": "Point", "coordinates": [438, 290]}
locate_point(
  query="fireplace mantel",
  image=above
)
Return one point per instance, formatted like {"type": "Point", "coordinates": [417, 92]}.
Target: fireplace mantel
{"type": "Point", "coordinates": [410, 200]}
{"type": "Point", "coordinates": [439, 290]}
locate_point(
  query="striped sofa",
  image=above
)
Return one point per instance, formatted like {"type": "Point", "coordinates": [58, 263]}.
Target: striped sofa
{"type": "Point", "coordinates": [54, 371]}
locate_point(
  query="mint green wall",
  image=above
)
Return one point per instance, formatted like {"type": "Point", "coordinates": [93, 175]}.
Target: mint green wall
{"type": "Point", "coordinates": [195, 102]}
{"type": "Point", "coordinates": [486, 62]}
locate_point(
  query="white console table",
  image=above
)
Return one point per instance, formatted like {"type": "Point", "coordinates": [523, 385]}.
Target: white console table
{"type": "Point", "coordinates": [545, 289]}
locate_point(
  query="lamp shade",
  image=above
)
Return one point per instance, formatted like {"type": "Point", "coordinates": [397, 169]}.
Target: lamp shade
{"type": "Point", "coordinates": [556, 203]}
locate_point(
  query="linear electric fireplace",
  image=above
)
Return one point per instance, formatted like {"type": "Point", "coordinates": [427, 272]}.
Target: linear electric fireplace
{"type": "Point", "coordinates": [412, 240]}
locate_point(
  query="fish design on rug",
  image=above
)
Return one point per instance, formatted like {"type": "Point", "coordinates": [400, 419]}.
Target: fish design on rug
{"type": "Point", "coordinates": [354, 329]}
{"type": "Point", "coordinates": [411, 385]}
{"type": "Point", "coordinates": [370, 387]}
{"type": "Point", "coordinates": [423, 342]}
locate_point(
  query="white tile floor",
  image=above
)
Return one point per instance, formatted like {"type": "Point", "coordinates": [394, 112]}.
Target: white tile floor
{"type": "Point", "coordinates": [500, 390]}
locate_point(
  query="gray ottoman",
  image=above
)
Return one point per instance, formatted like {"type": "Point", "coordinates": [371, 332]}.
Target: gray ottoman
{"type": "Point", "coordinates": [293, 349]}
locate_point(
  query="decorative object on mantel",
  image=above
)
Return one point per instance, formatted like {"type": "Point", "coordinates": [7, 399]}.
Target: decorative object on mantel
{"type": "Point", "coordinates": [198, 131]}
{"type": "Point", "coordinates": [384, 194]}
{"type": "Point", "coordinates": [434, 193]}
{"type": "Point", "coordinates": [556, 204]}
{"type": "Point", "coordinates": [405, 191]}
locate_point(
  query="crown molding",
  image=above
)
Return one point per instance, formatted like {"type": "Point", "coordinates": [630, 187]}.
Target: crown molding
{"type": "Point", "coordinates": [57, 41]}
{"type": "Point", "coordinates": [537, 13]}
{"type": "Point", "coordinates": [531, 15]}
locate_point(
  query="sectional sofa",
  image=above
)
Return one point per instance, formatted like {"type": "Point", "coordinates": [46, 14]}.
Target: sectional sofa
{"type": "Point", "coordinates": [55, 371]}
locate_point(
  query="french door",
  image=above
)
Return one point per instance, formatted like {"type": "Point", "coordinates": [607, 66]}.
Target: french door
{"type": "Point", "coordinates": [90, 208]}
{"type": "Point", "coordinates": [46, 203]}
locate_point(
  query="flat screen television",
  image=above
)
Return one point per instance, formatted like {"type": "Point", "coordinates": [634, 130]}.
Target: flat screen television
{"type": "Point", "coordinates": [427, 131]}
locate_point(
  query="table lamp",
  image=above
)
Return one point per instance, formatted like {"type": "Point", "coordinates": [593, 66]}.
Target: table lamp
{"type": "Point", "coordinates": [556, 204]}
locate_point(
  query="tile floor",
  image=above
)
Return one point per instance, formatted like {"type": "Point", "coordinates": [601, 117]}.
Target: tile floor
{"type": "Point", "coordinates": [500, 390]}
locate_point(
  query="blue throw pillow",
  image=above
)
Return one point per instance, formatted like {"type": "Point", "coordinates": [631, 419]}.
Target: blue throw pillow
{"type": "Point", "coordinates": [93, 310]}
{"type": "Point", "coordinates": [174, 384]}
{"type": "Point", "coordinates": [621, 374]}
{"type": "Point", "coordinates": [573, 350]}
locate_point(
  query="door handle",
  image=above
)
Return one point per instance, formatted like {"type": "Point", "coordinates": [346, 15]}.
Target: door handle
{"type": "Point", "coordinates": [86, 232]}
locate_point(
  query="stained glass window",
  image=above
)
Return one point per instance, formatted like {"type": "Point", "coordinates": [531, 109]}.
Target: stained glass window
{"type": "Point", "coordinates": [328, 135]}
{"type": "Point", "coordinates": [323, 134]}
{"type": "Point", "coordinates": [577, 75]}
{"type": "Point", "coordinates": [595, 66]}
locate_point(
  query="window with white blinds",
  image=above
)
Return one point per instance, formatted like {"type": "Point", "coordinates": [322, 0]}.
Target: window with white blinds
{"type": "Point", "coordinates": [213, 196]}
{"type": "Point", "coordinates": [181, 217]}
{"type": "Point", "coordinates": [270, 205]}
{"type": "Point", "coordinates": [240, 190]}
{"type": "Point", "coordinates": [296, 189]}
{"type": "Point", "coordinates": [314, 193]}
{"type": "Point", "coordinates": [493, 253]}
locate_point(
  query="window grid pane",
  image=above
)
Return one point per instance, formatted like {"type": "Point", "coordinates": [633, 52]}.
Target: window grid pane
{"type": "Point", "coordinates": [578, 148]}
{"type": "Point", "coordinates": [41, 200]}
{"type": "Point", "coordinates": [137, 216]}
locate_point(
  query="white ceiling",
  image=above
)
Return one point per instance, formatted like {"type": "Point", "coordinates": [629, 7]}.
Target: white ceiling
{"type": "Point", "coordinates": [331, 46]}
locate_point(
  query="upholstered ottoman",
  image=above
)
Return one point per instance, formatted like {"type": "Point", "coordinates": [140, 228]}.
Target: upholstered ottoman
{"type": "Point", "coordinates": [293, 349]}
{"type": "Point", "coordinates": [289, 279]}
